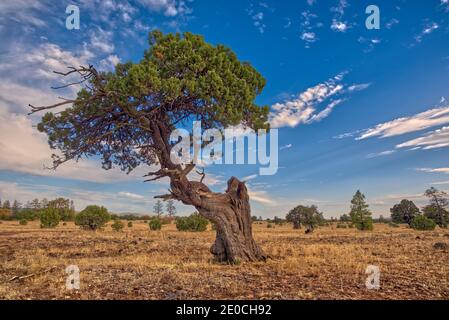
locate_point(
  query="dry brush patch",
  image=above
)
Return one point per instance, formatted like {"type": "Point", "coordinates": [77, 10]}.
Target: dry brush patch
{"type": "Point", "coordinates": [141, 264]}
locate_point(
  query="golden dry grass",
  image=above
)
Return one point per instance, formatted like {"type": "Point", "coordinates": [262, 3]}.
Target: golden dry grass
{"type": "Point", "coordinates": [142, 264]}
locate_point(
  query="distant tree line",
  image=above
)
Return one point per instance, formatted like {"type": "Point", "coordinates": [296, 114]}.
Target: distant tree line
{"type": "Point", "coordinates": [32, 210]}
{"type": "Point", "coordinates": [436, 213]}
{"type": "Point", "coordinates": [52, 212]}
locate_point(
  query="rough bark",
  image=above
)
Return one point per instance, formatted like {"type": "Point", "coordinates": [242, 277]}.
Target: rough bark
{"type": "Point", "coordinates": [229, 211]}
{"type": "Point", "coordinates": [232, 217]}
{"type": "Point", "coordinates": [231, 214]}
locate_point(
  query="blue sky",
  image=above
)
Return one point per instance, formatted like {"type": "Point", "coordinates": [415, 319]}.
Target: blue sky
{"type": "Point", "coordinates": [355, 108]}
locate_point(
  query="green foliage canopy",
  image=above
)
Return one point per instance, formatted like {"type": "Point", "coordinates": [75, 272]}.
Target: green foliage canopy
{"type": "Point", "coordinates": [193, 223]}
{"type": "Point", "coordinates": [118, 115]}
{"type": "Point", "coordinates": [49, 218]}
{"type": "Point", "coordinates": [360, 213]}
{"type": "Point", "coordinates": [92, 218]}
{"type": "Point", "coordinates": [404, 212]}
{"type": "Point", "coordinates": [421, 222]}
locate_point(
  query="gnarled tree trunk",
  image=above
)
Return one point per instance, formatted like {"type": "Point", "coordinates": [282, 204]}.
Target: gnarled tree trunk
{"type": "Point", "coordinates": [231, 214]}
{"type": "Point", "coordinates": [229, 211]}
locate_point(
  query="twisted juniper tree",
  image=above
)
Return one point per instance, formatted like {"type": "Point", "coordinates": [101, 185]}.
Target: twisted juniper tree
{"type": "Point", "coordinates": [126, 118]}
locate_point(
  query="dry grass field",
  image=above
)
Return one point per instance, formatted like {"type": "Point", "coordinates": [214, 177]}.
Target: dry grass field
{"type": "Point", "coordinates": [142, 264]}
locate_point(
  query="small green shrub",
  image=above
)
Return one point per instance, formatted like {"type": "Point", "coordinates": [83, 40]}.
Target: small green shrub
{"type": "Point", "coordinates": [49, 218]}
{"type": "Point", "coordinates": [130, 224]}
{"type": "Point", "coordinates": [364, 225]}
{"type": "Point", "coordinates": [342, 226]}
{"type": "Point", "coordinates": [194, 223]}
{"type": "Point", "coordinates": [117, 225]}
{"type": "Point", "coordinates": [423, 223]}
{"type": "Point", "coordinates": [155, 224]}
{"type": "Point", "coordinates": [92, 218]}
{"type": "Point", "coordinates": [64, 224]}
{"type": "Point", "coordinates": [23, 222]}
{"type": "Point", "coordinates": [269, 226]}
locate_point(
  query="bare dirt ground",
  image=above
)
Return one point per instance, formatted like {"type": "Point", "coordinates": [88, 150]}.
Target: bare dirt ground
{"type": "Point", "coordinates": [142, 264]}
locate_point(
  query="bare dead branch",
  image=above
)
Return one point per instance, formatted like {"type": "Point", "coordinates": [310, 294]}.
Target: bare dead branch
{"type": "Point", "coordinates": [37, 109]}
{"type": "Point", "coordinates": [202, 174]}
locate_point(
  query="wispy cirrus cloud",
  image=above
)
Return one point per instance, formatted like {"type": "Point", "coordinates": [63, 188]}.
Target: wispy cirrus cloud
{"type": "Point", "coordinates": [370, 43]}
{"type": "Point", "coordinates": [434, 170]}
{"type": "Point", "coordinates": [421, 121]}
{"type": "Point", "coordinates": [427, 29]}
{"type": "Point", "coordinates": [440, 183]}
{"type": "Point", "coordinates": [130, 195]}
{"type": "Point", "coordinates": [314, 104]}
{"type": "Point", "coordinates": [433, 140]}
{"type": "Point", "coordinates": [380, 154]}
{"type": "Point", "coordinates": [287, 146]}
{"type": "Point", "coordinates": [261, 197]}
{"type": "Point", "coordinates": [391, 23]}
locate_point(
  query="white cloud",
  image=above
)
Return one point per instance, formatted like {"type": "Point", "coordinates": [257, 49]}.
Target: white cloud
{"type": "Point", "coordinates": [210, 179]}
{"type": "Point", "coordinates": [258, 13]}
{"type": "Point", "coordinates": [340, 8]}
{"type": "Point", "coordinates": [251, 177]}
{"type": "Point", "coordinates": [308, 25]}
{"type": "Point", "coordinates": [101, 40]}
{"type": "Point", "coordinates": [22, 64]}
{"type": "Point", "coordinates": [22, 12]}
{"type": "Point", "coordinates": [131, 195]}
{"type": "Point", "coordinates": [308, 36]}
{"type": "Point", "coordinates": [82, 198]}
{"type": "Point", "coordinates": [359, 87]}
{"type": "Point", "coordinates": [339, 26]}
{"type": "Point", "coordinates": [427, 29]}
{"type": "Point", "coordinates": [305, 108]}
{"type": "Point", "coordinates": [395, 197]}
{"type": "Point", "coordinates": [380, 154]}
{"type": "Point", "coordinates": [434, 170]}
{"type": "Point", "coordinates": [391, 23]}
{"type": "Point", "coordinates": [348, 134]}
{"type": "Point", "coordinates": [418, 122]}
{"type": "Point", "coordinates": [24, 149]}
{"type": "Point", "coordinates": [369, 42]}
{"type": "Point", "coordinates": [326, 112]}
{"type": "Point", "coordinates": [27, 78]}
{"type": "Point", "coordinates": [440, 183]}
{"type": "Point", "coordinates": [258, 22]}
{"type": "Point", "coordinates": [445, 4]}
{"type": "Point", "coordinates": [169, 8]}
{"type": "Point", "coordinates": [109, 63]}
{"type": "Point", "coordinates": [433, 140]}
{"type": "Point", "coordinates": [287, 146]}
{"type": "Point", "coordinates": [261, 197]}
